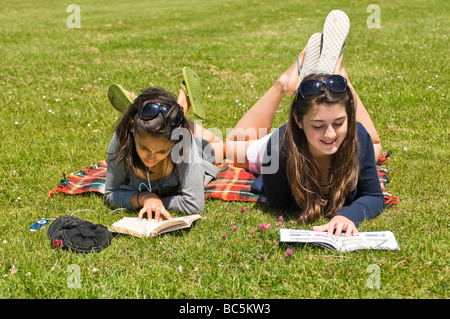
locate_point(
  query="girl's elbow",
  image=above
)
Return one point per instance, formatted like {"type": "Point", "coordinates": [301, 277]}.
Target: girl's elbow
{"type": "Point", "coordinates": [195, 207]}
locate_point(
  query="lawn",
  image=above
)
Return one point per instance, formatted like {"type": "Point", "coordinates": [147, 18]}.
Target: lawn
{"type": "Point", "coordinates": [55, 119]}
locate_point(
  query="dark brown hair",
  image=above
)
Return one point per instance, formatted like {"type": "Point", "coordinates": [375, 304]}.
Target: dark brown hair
{"type": "Point", "coordinates": [131, 124]}
{"type": "Point", "coordinates": [303, 174]}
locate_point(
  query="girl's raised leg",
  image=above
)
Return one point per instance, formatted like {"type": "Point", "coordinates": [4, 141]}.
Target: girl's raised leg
{"type": "Point", "coordinates": [362, 115]}
{"type": "Point", "coordinates": [257, 122]}
{"type": "Point", "coordinates": [200, 131]}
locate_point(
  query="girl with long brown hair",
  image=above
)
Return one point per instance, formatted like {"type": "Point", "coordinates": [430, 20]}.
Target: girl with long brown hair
{"type": "Point", "coordinates": [322, 162]}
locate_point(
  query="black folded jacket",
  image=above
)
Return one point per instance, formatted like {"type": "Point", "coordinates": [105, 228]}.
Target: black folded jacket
{"type": "Point", "coordinates": [70, 232]}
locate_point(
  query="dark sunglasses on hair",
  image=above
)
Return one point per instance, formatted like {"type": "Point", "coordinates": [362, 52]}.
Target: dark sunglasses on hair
{"type": "Point", "coordinates": [335, 83]}
{"type": "Point", "coordinates": [151, 110]}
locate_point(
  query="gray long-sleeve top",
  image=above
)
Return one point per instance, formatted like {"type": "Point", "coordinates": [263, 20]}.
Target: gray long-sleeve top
{"type": "Point", "coordinates": [182, 190]}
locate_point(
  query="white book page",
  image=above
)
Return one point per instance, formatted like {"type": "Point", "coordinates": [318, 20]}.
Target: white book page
{"type": "Point", "coordinates": [147, 227]}
{"type": "Point", "coordinates": [143, 226]}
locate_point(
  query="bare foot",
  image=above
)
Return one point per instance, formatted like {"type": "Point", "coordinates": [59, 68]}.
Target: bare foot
{"type": "Point", "coordinates": [183, 101]}
{"type": "Point", "coordinates": [288, 80]}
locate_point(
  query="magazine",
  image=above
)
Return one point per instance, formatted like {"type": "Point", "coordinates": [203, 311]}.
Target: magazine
{"type": "Point", "coordinates": [384, 240]}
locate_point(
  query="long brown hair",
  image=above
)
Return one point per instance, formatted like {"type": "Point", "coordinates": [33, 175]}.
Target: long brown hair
{"type": "Point", "coordinates": [302, 170]}
{"type": "Point", "coordinates": [130, 124]}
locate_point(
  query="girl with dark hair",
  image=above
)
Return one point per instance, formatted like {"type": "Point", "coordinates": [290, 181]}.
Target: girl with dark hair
{"type": "Point", "coordinates": [155, 163]}
{"type": "Point", "coordinates": [322, 161]}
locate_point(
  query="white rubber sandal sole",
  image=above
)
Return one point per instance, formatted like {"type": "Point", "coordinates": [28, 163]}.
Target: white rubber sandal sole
{"type": "Point", "coordinates": [335, 31]}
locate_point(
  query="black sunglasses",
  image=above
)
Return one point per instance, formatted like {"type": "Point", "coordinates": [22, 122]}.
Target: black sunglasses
{"type": "Point", "coordinates": [151, 110]}
{"type": "Point", "coordinates": [335, 83]}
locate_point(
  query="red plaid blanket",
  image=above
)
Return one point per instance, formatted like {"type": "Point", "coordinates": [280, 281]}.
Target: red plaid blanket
{"type": "Point", "coordinates": [89, 179]}
{"type": "Point", "coordinates": [231, 184]}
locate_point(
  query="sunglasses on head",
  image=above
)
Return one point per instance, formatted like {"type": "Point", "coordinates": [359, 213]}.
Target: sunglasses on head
{"type": "Point", "coordinates": [150, 110]}
{"type": "Point", "coordinates": [335, 83]}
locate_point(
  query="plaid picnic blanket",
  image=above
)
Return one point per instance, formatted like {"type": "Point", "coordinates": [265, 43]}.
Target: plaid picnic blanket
{"type": "Point", "coordinates": [232, 183]}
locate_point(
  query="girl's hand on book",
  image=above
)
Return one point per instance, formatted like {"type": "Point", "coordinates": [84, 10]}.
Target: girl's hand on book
{"type": "Point", "coordinates": [152, 203]}
{"type": "Point", "coordinates": [338, 224]}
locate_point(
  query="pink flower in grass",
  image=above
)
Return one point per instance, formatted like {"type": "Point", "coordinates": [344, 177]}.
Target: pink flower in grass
{"type": "Point", "coordinates": [264, 226]}
{"type": "Point", "coordinates": [253, 229]}
{"type": "Point", "coordinates": [243, 209]}
{"type": "Point", "coordinates": [280, 218]}
{"type": "Point", "coordinates": [289, 253]}
{"type": "Point", "coordinates": [224, 235]}
{"type": "Point", "coordinates": [234, 228]}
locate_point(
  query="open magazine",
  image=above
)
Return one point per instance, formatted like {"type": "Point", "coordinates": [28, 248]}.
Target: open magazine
{"type": "Point", "coordinates": [384, 240]}
{"type": "Point", "coordinates": [149, 228]}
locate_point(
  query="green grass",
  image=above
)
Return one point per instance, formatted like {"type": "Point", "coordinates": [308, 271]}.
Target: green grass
{"type": "Point", "coordinates": [55, 118]}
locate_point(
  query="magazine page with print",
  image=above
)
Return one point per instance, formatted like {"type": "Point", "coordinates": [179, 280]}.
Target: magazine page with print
{"type": "Point", "coordinates": [384, 240]}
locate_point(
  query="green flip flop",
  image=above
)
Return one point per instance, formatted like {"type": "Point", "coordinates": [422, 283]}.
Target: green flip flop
{"type": "Point", "coordinates": [192, 87]}
{"type": "Point", "coordinates": [120, 98]}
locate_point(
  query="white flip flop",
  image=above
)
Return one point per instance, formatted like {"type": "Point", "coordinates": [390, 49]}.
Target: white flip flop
{"type": "Point", "coordinates": [335, 31]}
{"type": "Point", "coordinates": [312, 55]}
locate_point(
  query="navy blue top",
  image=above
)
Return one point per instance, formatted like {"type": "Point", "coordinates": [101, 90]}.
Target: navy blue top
{"type": "Point", "coordinates": [366, 201]}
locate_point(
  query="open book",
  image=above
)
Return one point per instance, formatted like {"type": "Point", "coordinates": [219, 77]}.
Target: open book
{"type": "Point", "coordinates": [149, 228]}
{"type": "Point", "coordinates": [364, 240]}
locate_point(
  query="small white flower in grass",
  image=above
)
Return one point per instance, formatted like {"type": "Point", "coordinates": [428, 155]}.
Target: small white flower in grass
{"type": "Point", "coordinates": [180, 268]}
